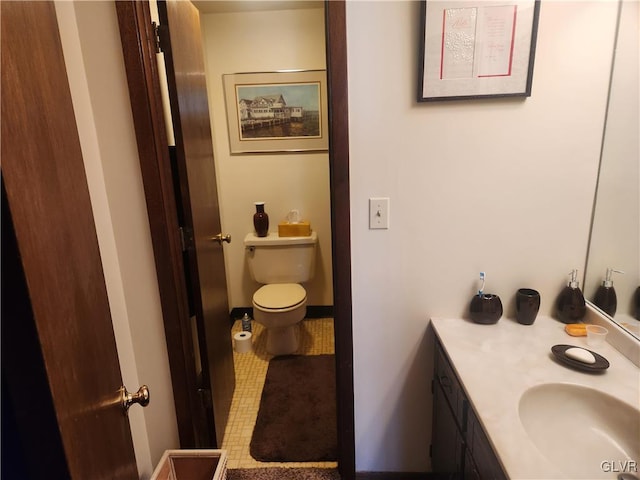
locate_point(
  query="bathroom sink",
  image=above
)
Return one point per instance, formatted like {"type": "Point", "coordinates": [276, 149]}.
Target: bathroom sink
{"type": "Point", "coordinates": [583, 432]}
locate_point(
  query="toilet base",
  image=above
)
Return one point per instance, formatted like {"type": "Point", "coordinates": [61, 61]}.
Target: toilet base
{"type": "Point", "coordinates": [282, 340]}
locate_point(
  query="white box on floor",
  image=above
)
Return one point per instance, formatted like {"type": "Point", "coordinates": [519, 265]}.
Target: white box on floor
{"type": "Point", "coordinates": [192, 465]}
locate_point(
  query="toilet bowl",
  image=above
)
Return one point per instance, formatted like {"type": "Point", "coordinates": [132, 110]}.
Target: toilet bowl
{"type": "Point", "coordinates": [280, 264]}
{"type": "Point", "coordinates": [279, 307]}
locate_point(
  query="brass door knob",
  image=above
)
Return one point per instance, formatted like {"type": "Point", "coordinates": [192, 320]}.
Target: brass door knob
{"type": "Point", "coordinates": [141, 397]}
{"type": "Point", "coordinates": [221, 238]}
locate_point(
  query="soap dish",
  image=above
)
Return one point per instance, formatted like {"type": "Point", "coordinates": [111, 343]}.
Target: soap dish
{"type": "Point", "coordinates": [600, 364]}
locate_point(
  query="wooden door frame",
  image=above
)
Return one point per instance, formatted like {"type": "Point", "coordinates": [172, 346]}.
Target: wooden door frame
{"type": "Point", "coordinates": [336, 39]}
{"type": "Point", "coordinates": [135, 30]}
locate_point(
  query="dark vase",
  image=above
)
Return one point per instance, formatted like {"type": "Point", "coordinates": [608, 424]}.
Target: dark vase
{"type": "Point", "coordinates": [261, 220]}
{"type": "Point", "coordinates": [485, 308]}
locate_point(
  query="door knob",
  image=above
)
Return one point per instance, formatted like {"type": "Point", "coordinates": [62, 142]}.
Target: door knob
{"type": "Point", "coordinates": [221, 238]}
{"type": "Point", "coordinates": [141, 397]}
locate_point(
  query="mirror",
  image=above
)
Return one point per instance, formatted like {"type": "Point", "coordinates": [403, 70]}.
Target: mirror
{"type": "Point", "coordinates": [615, 230]}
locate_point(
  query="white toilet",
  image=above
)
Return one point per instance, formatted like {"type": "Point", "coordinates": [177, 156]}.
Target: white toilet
{"type": "Point", "coordinates": [281, 264]}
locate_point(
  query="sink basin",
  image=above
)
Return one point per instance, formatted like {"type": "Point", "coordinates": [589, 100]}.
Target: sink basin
{"type": "Point", "coordinates": [583, 432]}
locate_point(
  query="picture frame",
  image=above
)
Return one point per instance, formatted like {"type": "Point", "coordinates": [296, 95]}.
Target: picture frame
{"type": "Point", "coordinates": [282, 111]}
{"type": "Point", "coordinates": [477, 49]}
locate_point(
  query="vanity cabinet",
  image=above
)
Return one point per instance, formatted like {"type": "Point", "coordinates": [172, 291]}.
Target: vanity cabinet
{"type": "Point", "coordinates": [460, 448]}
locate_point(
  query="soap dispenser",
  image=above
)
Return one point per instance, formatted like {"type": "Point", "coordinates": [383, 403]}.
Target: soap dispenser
{"type": "Point", "coordinates": [605, 297]}
{"type": "Point", "coordinates": [570, 304]}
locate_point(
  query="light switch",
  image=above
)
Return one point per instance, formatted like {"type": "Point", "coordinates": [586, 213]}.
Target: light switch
{"type": "Point", "coordinates": [378, 213]}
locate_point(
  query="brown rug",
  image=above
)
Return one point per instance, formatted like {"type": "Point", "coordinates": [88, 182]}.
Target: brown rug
{"type": "Point", "coordinates": [297, 415]}
{"type": "Point", "coordinates": [283, 474]}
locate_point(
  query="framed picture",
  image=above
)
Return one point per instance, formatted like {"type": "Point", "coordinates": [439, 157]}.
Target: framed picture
{"type": "Point", "coordinates": [477, 49]}
{"type": "Point", "coordinates": [277, 111]}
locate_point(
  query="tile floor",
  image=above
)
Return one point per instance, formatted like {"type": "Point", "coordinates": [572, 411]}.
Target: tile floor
{"type": "Point", "coordinates": [316, 337]}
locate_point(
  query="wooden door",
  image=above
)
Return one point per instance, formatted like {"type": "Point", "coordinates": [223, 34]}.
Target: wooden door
{"type": "Point", "coordinates": [199, 199]}
{"type": "Point", "coordinates": [48, 200]}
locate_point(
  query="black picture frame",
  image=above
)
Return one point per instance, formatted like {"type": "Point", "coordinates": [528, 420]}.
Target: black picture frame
{"type": "Point", "coordinates": [476, 49]}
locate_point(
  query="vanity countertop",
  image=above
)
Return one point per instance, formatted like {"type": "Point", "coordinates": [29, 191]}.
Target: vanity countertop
{"type": "Point", "coordinates": [497, 363]}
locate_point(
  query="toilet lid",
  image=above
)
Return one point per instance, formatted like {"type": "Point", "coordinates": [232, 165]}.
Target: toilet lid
{"type": "Point", "coordinates": [279, 295]}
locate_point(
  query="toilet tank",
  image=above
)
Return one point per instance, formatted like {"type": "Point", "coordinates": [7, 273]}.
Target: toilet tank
{"type": "Point", "coordinates": [275, 259]}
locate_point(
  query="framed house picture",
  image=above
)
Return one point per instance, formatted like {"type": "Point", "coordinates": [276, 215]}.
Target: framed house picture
{"type": "Point", "coordinates": [277, 111]}
{"type": "Point", "coordinates": [477, 48]}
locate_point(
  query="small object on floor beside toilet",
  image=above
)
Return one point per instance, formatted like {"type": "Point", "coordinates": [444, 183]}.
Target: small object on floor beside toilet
{"type": "Point", "coordinates": [242, 342]}
{"type": "Point", "coordinates": [246, 323]}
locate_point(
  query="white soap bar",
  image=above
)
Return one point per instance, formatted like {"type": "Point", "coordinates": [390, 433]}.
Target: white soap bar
{"type": "Point", "coordinates": [580, 354]}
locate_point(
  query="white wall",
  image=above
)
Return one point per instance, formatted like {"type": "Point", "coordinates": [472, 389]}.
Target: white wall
{"type": "Point", "coordinates": [265, 42]}
{"type": "Point", "coordinates": [501, 186]}
{"type": "Point", "coordinates": [93, 55]}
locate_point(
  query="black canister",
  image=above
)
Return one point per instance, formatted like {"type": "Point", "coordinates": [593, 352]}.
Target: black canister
{"type": "Point", "coordinates": [485, 308]}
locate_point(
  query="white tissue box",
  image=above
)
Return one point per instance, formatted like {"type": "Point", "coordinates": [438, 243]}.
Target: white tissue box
{"type": "Point", "coordinates": [300, 229]}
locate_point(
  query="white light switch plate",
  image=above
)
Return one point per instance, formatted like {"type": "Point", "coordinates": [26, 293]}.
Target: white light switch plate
{"type": "Point", "coordinates": [378, 213]}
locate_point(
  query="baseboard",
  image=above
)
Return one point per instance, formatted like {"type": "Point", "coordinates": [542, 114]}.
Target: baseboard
{"type": "Point", "coordinates": [238, 312]}
{"type": "Point", "coordinates": [396, 476]}
{"type": "Point", "coordinates": [319, 311]}
{"type": "Point", "coordinates": [313, 311]}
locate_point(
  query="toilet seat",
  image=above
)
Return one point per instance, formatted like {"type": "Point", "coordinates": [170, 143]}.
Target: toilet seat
{"type": "Point", "coordinates": [279, 297]}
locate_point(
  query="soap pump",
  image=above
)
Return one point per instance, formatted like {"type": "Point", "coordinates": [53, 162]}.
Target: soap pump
{"type": "Point", "coordinates": [605, 297]}
{"type": "Point", "coordinates": [570, 304]}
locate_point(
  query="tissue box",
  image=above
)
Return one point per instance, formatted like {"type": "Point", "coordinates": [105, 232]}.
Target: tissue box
{"type": "Point", "coordinates": [192, 465]}
{"type": "Point", "coordinates": [300, 229]}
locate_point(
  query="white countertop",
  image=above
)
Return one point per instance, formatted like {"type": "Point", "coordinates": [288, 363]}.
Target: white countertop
{"type": "Point", "coordinates": [498, 363]}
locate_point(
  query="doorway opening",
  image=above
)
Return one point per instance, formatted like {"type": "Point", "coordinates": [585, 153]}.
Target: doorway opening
{"type": "Point", "coordinates": [136, 30]}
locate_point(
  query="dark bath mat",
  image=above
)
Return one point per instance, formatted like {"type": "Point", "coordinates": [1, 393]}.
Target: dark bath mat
{"type": "Point", "coordinates": [280, 473]}
{"type": "Point", "coordinates": [297, 415]}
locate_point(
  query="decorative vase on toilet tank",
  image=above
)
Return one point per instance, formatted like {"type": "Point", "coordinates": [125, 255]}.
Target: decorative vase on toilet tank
{"type": "Point", "coordinates": [261, 220]}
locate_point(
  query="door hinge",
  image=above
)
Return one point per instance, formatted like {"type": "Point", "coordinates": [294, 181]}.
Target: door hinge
{"type": "Point", "coordinates": [205, 397]}
{"type": "Point", "coordinates": [156, 37]}
{"type": "Point", "coordinates": [183, 243]}
{"type": "Point", "coordinates": [186, 238]}
{"type": "Point", "coordinates": [159, 37]}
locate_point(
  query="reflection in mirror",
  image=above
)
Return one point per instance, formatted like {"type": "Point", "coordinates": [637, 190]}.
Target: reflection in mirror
{"type": "Point", "coordinates": [615, 229]}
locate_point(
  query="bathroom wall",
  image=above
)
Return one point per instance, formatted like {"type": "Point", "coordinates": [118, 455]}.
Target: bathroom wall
{"type": "Point", "coordinates": [266, 41]}
{"type": "Point", "coordinates": [501, 186]}
{"type": "Point", "coordinates": [105, 126]}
